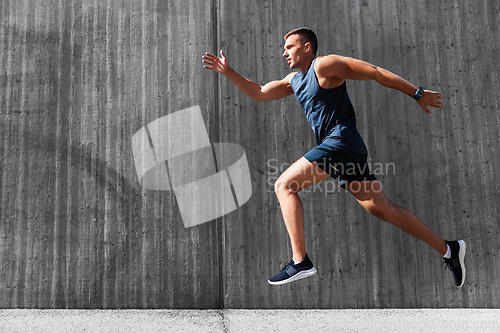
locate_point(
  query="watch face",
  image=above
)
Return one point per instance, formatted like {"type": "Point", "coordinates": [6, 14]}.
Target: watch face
{"type": "Point", "coordinates": [419, 93]}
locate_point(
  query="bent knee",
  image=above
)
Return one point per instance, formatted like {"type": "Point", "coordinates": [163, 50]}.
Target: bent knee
{"type": "Point", "coordinates": [281, 187]}
{"type": "Point", "coordinates": [380, 210]}
{"type": "Point", "coordinates": [284, 186]}
{"type": "Point", "coordinates": [377, 212]}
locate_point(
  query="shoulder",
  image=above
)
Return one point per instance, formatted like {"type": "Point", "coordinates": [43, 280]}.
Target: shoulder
{"type": "Point", "coordinates": [329, 70]}
{"type": "Point", "coordinates": [324, 65]}
{"type": "Point", "coordinates": [289, 77]}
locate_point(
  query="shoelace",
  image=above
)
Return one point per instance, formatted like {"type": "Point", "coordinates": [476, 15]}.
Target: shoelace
{"type": "Point", "coordinates": [448, 265]}
{"type": "Point", "coordinates": [285, 266]}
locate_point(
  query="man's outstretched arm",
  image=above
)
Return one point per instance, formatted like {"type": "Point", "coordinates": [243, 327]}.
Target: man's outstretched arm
{"type": "Point", "coordinates": [270, 91]}
{"type": "Point", "coordinates": [354, 69]}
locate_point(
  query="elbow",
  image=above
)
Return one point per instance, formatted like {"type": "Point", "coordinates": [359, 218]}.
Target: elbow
{"type": "Point", "coordinates": [376, 74]}
{"type": "Point", "coordinates": [380, 77]}
{"type": "Point", "coordinates": [258, 96]}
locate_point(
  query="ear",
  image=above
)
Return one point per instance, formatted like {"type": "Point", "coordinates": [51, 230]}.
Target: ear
{"type": "Point", "coordinates": [307, 47]}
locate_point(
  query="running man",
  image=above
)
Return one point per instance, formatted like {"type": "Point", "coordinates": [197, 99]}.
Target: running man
{"type": "Point", "coordinates": [320, 88]}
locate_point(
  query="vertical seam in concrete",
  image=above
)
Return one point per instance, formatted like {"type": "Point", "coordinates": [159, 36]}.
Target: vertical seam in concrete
{"type": "Point", "coordinates": [223, 321]}
{"type": "Point", "coordinates": [219, 224]}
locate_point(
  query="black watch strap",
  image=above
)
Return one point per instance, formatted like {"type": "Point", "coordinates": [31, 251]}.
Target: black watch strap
{"type": "Point", "coordinates": [419, 93]}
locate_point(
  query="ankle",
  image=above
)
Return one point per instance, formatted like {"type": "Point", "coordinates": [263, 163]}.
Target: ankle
{"type": "Point", "coordinates": [298, 259]}
{"type": "Point", "coordinates": [447, 255]}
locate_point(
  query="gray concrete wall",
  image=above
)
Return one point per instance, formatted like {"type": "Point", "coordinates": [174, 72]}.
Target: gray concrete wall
{"type": "Point", "coordinates": [79, 78]}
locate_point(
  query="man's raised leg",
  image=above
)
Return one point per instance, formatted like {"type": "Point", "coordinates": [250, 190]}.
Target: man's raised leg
{"type": "Point", "coordinates": [372, 198]}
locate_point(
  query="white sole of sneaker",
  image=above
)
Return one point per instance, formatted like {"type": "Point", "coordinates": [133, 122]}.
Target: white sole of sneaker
{"type": "Point", "coordinates": [461, 256]}
{"type": "Point", "coordinates": [298, 276]}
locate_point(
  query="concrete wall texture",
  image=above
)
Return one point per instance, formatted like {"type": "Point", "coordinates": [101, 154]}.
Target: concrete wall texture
{"type": "Point", "coordinates": [80, 77]}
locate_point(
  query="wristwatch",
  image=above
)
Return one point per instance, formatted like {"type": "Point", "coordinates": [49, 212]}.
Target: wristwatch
{"type": "Point", "coordinates": [419, 93]}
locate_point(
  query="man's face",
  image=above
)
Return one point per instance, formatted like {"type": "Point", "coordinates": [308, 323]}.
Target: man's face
{"type": "Point", "coordinates": [294, 51]}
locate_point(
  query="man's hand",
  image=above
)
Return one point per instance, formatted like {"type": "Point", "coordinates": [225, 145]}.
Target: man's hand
{"type": "Point", "coordinates": [430, 99]}
{"type": "Point", "coordinates": [219, 65]}
{"type": "Point", "coordinates": [270, 91]}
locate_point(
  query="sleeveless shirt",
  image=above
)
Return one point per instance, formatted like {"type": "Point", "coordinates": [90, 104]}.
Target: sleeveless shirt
{"type": "Point", "coordinates": [329, 112]}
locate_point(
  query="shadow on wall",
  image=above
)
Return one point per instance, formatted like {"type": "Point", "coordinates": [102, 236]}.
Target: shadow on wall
{"type": "Point", "coordinates": [42, 111]}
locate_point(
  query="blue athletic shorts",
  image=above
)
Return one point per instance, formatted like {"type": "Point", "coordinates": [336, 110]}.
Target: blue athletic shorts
{"type": "Point", "coordinates": [348, 167]}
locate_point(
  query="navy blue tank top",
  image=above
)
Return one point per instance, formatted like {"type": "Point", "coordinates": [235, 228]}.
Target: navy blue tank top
{"type": "Point", "coordinates": [329, 112]}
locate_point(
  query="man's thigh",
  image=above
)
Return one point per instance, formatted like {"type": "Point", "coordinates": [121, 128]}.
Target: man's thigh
{"type": "Point", "coordinates": [302, 174]}
{"type": "Point", "coordinates": [367, 193]}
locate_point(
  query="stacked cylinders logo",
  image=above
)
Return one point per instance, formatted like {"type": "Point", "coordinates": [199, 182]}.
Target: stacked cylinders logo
{"type": "Point", "coordinates": [175, 153]}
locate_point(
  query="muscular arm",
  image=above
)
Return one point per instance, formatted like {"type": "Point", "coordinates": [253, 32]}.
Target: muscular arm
{"type": "Point", "coordinates": [349, 68]}
{"type": "Point", "coordinates": [273, 90]}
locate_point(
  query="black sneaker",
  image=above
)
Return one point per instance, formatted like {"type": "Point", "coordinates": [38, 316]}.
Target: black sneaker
{"type": "Point", "coordinates": [291, 272]}
{"type": "Point", "coordinates": [456, 262]}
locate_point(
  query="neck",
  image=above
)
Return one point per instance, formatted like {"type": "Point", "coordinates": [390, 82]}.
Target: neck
{"type": "Point", "coordinates": [306, 65]}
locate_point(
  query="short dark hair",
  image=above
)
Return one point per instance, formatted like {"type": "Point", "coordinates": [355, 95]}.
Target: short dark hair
{"type": "Point", "coordinates": [305, 35]}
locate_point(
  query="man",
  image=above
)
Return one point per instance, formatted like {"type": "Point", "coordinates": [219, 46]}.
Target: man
{"type": "Point", "coordinates": [320, 88]}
